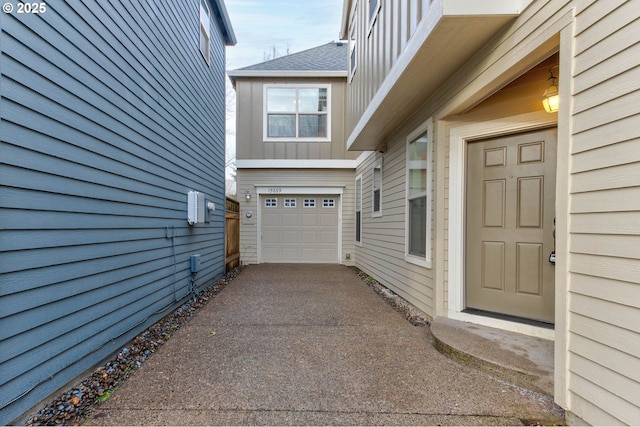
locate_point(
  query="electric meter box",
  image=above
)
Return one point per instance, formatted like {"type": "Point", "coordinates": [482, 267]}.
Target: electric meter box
{"type": "Point", "coordinates": [195, 207]}
{"type": "Point", "coordinates": [194, 263]}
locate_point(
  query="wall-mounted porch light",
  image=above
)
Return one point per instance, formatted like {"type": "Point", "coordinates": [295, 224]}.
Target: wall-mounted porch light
{"type": "Point", "coordinates": [551, 98]}
{"type": "Point", "coordinates": [247, 195]}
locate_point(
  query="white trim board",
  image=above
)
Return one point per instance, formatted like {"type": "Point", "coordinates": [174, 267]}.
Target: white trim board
{"type": "Point", "coordinates": [295, 164]}
{"type": "Point", "coordinates": [302, 163]}
{"type": "Point", "coordinates": [275, 190]}
{"type": "Point", "coordinates": [458, 139]}
{"type": "Point", "coordinates": [234, 74]}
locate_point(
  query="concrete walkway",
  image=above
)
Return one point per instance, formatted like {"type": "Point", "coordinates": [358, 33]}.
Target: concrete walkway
{"type": "Point", "coordinates": [310, 345]}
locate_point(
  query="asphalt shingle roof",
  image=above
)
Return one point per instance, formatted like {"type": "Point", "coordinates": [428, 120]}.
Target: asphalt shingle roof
{"type": "Point", "coordinates": [332, 56]}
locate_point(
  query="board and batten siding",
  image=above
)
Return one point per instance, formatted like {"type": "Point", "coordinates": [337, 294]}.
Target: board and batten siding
{"type": "Point", "coordinates": [604, 244]}
{"type": "Point", "coordinates": [109, 116]}
{"type": "Point", "coordinates": [339, 178]}
{"type": "Point", "coordinates": [250, 116]}
{"type": "Point", "coordinates": [378, 48]}
{"type": "Point", "coordinates": [382, 252]}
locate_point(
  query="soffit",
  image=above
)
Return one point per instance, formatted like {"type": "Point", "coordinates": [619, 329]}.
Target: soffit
{"type": "Point", "coordinates": [445, 39]}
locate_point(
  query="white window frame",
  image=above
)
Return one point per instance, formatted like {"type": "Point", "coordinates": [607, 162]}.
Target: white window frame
{"type": "Point", "coordinates": [425, 128]}
{"type": "Point", "coordinates": [372, 15]}
{"type": "Point", "coordinates": [265, 114]}
{"type": "Point", "coordinates": [376, 166]}
{"type": "Point", "coordinates": [271, 202]}
{"type": "Point", "coordinates": [205, 28]}
{"type": "Point", "coordinates": [353, 53]}
{"type": "Point", "coordinates": [309, 203]}
{"type": "Point", "coordinates": [358, 201]}
{"type": "Point", "coordinates": [290, 202]}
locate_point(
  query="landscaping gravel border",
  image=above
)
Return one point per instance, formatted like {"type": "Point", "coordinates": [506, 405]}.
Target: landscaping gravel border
{"type": "Point", "coordinates": [73, 406]}
{"type": "Point", "coordinates": [402, 306]}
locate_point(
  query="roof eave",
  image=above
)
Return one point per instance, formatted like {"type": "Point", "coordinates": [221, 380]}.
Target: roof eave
{"type": "Point", "coordinates": [344, 27]}
{"type": "Point", "coordinates": [235, 74]}
{"type": "Point", "coordinates": [225, 22]}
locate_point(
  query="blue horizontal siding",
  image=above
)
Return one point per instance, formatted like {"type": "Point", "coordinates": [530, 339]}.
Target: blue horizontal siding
{"type": "Point", "coordinates": [109, 115]}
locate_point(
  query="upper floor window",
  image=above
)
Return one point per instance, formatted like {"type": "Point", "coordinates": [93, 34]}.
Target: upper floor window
{"type": "Point", "coordinates": [353, 59]}
{"type": "Point", "coordinates": [297, 113]}
{"type": "Point", "coordinates": [374, 7]}
{"type": "Point", "coordinates": [205, 25]}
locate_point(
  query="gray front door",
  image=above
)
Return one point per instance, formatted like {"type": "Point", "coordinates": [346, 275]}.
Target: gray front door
{"type": "Point", "coordinates": [510, 205]}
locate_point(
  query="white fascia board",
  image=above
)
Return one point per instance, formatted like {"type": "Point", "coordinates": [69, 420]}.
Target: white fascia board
{"type": "Point", "coordinates": [362, 157]}
{"type": "Point", "coordinates": [475, 7]}
{"type": "Point", "coordinates": [234, 74]}
{"type": "Point", "coordinates": [303, 164]}
{"type": "Point", "coordinates": [229, 34]}
{"type": "Point", "coordinates": [295, 164]}
{"type": "Point", "coordinates": [344, 25]}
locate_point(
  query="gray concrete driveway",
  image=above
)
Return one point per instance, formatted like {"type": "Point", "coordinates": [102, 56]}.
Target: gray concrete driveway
{"type": "Point", "coordinates": [288, 344]}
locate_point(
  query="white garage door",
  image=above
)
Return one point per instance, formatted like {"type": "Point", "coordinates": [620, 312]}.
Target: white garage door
{"type": "Point", "coordinates": [299, 228]}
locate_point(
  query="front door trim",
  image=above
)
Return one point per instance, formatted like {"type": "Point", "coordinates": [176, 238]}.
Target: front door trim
{"type": "Point", "coordinates": [459, 135]}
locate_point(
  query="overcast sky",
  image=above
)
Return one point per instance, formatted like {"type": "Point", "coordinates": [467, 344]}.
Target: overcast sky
{"type": "Point", "coordinates": [262, 25]}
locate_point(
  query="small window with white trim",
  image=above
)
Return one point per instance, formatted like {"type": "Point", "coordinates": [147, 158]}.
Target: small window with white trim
{"type": "Point", "coordinates": [309, 203]}
{"type": "Point", "coordinates": [205, 35]}
{"type": "Point", "coordinates": [270, 203]}
{"type": "Point", "coordinates": [418, 200]}
{"type": "Point", "coordinates": [289, 203]}
{"type": "Point", "coordinates": [329, 203]}
{"type": "Point", "coordinates": [376, 189]}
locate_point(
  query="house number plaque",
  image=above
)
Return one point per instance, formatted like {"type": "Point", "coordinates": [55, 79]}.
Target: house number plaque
{"type": "Point", "coordinates": [274, 190]}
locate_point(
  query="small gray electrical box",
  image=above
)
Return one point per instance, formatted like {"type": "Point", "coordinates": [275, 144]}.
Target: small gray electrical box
{"type": "Point", "coordinates": [195, 263]}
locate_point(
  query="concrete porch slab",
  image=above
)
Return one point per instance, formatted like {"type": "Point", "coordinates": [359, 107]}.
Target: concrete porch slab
{"type": "Point", "coordinates": [516, 358]}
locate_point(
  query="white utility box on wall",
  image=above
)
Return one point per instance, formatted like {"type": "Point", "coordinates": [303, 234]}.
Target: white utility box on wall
{"type": "Point", "coordinates": [195, 207]}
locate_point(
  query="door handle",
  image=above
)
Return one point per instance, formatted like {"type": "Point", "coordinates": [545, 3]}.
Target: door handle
{"type": "Point", "coordinates": [552, 255]}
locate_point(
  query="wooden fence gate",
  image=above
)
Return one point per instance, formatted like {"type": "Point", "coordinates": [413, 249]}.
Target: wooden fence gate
{"type": "Point", "coordinates": [232, 241]}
